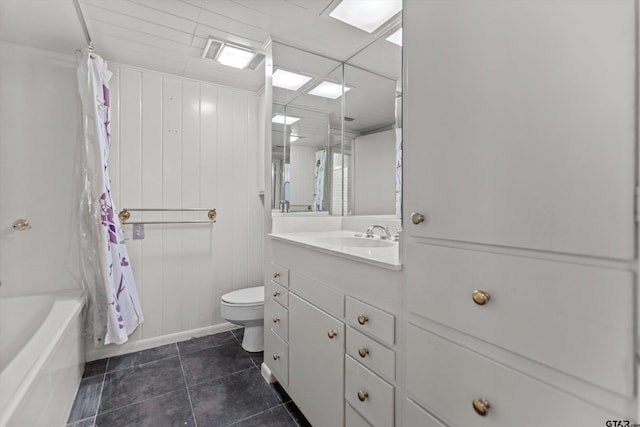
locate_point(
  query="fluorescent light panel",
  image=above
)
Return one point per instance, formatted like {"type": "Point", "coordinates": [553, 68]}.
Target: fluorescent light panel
{"type": "Point", "coordinates": [284, 120]}
{"type": "Point", "coordinates": [367, 15]}
{"type": "Point", "coordinates": [289, 80]}
{"type": "Point", "coordinates": [396, 38]}
{"type": "Point", "coordinates": [328, 90]}
{"type": "Point", "coordinates": [235, 57]}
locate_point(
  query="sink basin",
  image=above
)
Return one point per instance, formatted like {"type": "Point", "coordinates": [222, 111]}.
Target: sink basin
{"type": "Point", "coordinates": [356, 242]}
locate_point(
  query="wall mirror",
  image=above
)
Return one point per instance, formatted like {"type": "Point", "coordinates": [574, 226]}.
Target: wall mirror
{"type": "Point", "coordinates": [336, 152]}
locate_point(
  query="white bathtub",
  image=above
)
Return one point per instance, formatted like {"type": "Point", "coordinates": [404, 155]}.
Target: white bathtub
{"type": "Point", "coordinates": [41, 357]}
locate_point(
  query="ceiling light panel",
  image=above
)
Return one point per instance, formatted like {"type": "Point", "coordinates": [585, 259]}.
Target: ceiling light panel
{"type": "Point", "coordinates": [235, 57]}
{"type": "Point", "coordinates": [396, 38]}
{"type": "Point", "coordinates": [289, 80]}
{"type": "Point", "coordinates": [328, 90]}
{"type": "Point", "coordinates": [367, 15]}
{"type": "Point", "coordinates": [284, 120]}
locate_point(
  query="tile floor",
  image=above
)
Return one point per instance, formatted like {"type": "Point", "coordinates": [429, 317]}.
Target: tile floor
{"type": "Point", "coordinates": [202, 382]}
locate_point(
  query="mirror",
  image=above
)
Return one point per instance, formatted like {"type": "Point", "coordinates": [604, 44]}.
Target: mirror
{"type": "Point", "coordinates": [339, 154]}
{"type": "Point", "coordinates": [301, 132]}
{"type": "Point", "coordinates": [372, 116]}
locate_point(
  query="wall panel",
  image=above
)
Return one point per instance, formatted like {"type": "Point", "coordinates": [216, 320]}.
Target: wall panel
{"type": "Point", "coordinates": [185, 144]}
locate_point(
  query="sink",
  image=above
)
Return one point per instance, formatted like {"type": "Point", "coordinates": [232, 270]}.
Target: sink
{"type": "Point", "coordinates": [355, 242]}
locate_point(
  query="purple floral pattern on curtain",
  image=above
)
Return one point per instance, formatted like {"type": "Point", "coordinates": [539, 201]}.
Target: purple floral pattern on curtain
{"type": "Point", "coordinates": [116, 288]}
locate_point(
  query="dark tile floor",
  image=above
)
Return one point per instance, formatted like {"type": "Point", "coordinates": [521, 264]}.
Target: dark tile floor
{"type": "Point", "coordinates": [202, 382]}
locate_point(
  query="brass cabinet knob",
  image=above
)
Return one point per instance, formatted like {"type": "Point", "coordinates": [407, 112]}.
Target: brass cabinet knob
{"type": "Point", "coordinates": [276, 274]}
{"type": "Point", "coordinates": [331, 334]}
{"type": "Point", "coordinates": [362, 319]}
{"type": "Point", "coordinates": [276, 293]}
{"type": "Point", "coordinates": [481, 297]}
{"type": "Point", "coordinates": [481, 406]}
{"type": "Point", "coordinates": [363, 351]}
{"type": "Point", "coordinates": [362, 395]}
{"type": "Point", "coordinates": [276, 356]}
{"type": "Point", "coordinates": [417, 218]}
{"type": "Point", "coordinates": [276, 319]}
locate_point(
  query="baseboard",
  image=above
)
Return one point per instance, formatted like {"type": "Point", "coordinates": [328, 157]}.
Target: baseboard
{"type": "Point", "coordinates": [110, 350]}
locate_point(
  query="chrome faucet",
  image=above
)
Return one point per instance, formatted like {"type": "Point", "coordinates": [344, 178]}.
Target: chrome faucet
{"type": "Point", "coordinates": [384, 236]}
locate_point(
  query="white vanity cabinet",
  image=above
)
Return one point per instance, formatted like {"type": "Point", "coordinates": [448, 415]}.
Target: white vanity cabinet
{"type": "Point", "coordinates": [342, 367]}
{"type": "Point", "coordinates": [521, 291]}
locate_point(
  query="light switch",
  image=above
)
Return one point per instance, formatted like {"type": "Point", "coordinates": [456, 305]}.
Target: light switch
{"type": "Point", "coordinates": [138, 231]}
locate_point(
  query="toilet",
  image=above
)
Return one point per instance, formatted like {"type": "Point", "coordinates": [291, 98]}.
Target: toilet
{"type": "Point", "coordinates": [245, 307]}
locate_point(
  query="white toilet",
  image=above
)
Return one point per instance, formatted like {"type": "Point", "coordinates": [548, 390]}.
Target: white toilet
{"type": "Point", "coordinates": [245, 307]}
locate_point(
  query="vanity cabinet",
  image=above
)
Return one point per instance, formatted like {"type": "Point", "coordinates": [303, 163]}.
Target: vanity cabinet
{"type": "Point", "coordinates": [521, 295]}
{"type": "Point", "coordinates": [342, 341]}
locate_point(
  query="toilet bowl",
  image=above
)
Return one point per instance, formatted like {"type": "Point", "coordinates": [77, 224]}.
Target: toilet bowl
{"type": "Point", "coordinates": [245, 307]}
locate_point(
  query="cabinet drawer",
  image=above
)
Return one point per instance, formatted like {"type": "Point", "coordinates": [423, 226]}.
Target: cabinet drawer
{"type": "Point", "coordinates": [275, 292]}
{"type": "Point", "coordinates": [276, 356]}
{"type": "Point", "coordinates": [277, 317]}
{"type": "Point", "coordinates": [551, 312]}
{"type": "Point", "coordinates": [280, 274]}
{"type": "Point", "coordinates": [353, 419]}
{"type": "Point", "coordinates": [377, 401]}
{"type": "Point", "coordinates": [372, 354]}
{"type": "Point", "coordinates": [415, 416]}
{"type": "Point", "coordinates": [370, 319]}
{"type": "Point", "coordinates": [318, 294]}
{"type": "Point", "coordinates": [462, 376]}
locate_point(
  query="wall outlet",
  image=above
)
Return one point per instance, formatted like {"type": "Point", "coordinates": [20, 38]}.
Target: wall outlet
{"type": "Point", "coordinates": [138, 231]}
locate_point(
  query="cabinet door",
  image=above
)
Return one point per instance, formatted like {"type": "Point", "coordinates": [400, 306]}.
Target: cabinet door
{"type": "Point", "coordinates": [316, 367]}
{"type": "Point", "coordinates": [519, 123]}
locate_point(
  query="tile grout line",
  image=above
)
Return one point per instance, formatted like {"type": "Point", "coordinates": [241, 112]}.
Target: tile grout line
{"type": "Point", "coordinates": [255, 415]}
{"type": "Point", "coordinates": [193, 413]}
{"type": "Point", "coordinates": [104, 380]}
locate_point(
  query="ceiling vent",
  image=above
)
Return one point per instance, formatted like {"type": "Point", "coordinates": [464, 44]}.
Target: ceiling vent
{"type": "Point", "coordinates": [232, 55]}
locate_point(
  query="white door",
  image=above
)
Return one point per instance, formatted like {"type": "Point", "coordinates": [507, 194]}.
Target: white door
{"type": "Point", "coordinates": [519, 123]}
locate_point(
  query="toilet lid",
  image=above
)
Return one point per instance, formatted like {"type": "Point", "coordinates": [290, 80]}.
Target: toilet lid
{"type": "Point", "coordinates": [246, 296]}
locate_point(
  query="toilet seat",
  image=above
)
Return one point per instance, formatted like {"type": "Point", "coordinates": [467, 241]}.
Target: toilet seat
{"type": "Point", "coordinates": [245, 297]}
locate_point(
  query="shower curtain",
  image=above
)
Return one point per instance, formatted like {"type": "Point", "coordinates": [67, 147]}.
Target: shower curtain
{"type": "Point", "coordinates": [318, 195]}
{"type": "Point", "coordinates": [114, 308]}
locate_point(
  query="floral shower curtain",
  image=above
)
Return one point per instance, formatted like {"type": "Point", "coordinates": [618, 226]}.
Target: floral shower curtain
{"type": "Point", "coordinates": [114, 308]}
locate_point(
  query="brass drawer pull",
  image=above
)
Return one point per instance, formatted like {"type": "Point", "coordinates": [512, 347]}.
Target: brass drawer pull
{"type": "Point", "coordinates": [276, 319]}
{"type": "Point", "coordinates": [331, 334]}
{"type": "Point", "coordinates": [276, 274]}
{"type": "Point", "coordinates": [417, 218]}
{"type": "Point", "coordinates": [276, 293]}
{"type": "Point", "coordinates": [481, 406]}
{"type": "Point", "coordinates": [481, 297]}
{"type": "Point", "coordinates": [362, 351]}
{"type": "Point", "coordinates": [276, 356]}
{"type": "Point", "coordinates": [362, 319]}
{"type": "Point", "coordinates": [362, 395]}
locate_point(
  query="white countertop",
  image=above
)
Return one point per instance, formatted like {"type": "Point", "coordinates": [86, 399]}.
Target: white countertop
{"type": "Point", "coordinates": [386, 257]}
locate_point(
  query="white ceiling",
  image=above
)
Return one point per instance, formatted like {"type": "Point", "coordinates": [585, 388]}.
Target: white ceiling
{"type": "Point", "coordinates": [169, 36]}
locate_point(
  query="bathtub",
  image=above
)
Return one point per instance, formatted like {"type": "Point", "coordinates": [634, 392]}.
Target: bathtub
{"type": "Point", "coordinates": [41, 357]}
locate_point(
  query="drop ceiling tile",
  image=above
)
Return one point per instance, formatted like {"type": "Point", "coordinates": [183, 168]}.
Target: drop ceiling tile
{"type": "Point", "coordinates": [141, 13]}
{"type": "Point", "coordinates": [96, 14]}
{"type": "Point", "coordinates": [99, 30]}
{"type": "Point", "coordinates": [177, 8]}
{"type": "Point", "coordinates": [239, 29]}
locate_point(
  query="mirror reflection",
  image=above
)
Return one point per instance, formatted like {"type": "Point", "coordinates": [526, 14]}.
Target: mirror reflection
{"type": "Point", "coordinates": [337, 146]}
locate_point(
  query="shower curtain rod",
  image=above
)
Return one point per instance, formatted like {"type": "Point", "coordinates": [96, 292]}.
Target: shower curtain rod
{"type": "Point", "coordinates": [83, 24]}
